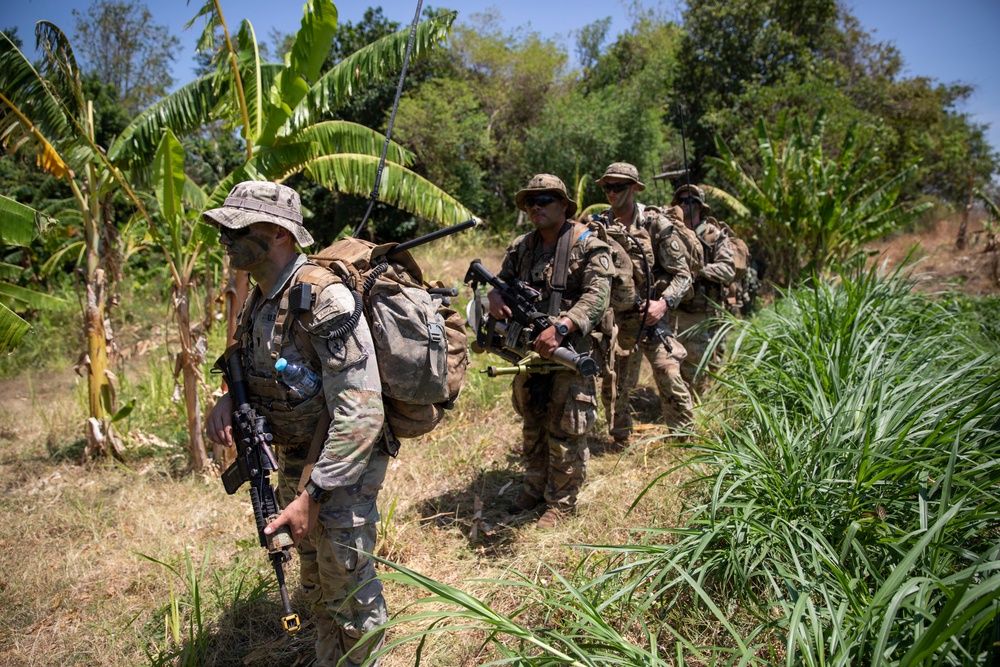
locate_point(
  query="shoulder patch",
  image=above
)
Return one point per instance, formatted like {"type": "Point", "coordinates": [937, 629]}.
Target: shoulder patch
{"type": "Point", "coordinates": [675, 246]}
{"type": "Point", "coordinates": [605, 263]}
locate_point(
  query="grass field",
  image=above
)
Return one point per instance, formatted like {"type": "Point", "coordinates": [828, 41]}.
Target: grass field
{"type": "Point", "coordinates": [839, 505]}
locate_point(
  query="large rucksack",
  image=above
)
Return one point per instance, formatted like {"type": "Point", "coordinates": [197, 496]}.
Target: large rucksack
{"type": "Point", "coordinates": [743, 289]}
{"type": "Point", "coordinates": [420, 340]}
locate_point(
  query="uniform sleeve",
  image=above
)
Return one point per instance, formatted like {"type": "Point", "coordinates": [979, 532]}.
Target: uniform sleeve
{"type": "Point", "coordinates": [723, 269]}
{"type": "Point", "coordinates": [672, 274]}
{"type": "Point", "coordinates": [595, 294]}
{"type": "Point", "coordinates": [353, 393]}
{"type": "Point", "coordinates": [508, 269]}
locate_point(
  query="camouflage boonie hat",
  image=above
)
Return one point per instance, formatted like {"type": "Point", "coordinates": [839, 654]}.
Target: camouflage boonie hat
{"type": "Point", "coordinates": [622, 170]}
{"type": "Point", "coordinates": [261, 201]}
{"type": "Point", "coordinates": [541, 183]}
{"type": "Point", "coordinates": [694, 192]}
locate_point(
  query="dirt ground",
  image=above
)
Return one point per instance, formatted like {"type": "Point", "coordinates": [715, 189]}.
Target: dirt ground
{"type": "Point", "coordinates": [973, 270]}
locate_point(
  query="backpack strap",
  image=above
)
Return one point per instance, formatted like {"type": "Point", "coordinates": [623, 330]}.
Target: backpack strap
{"type": "Point", "coordinates": [244, 315]}
{"type": "Point", "coordinates": [570, 234]}
{"type": "Point", "coordinates": [311, 274]}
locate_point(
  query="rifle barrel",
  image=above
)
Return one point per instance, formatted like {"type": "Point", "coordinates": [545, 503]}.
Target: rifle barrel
{"type": "Point", "coordinates": [433, 236]}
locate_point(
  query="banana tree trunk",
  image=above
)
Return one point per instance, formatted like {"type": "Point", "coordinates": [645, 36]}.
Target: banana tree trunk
{"type": "Point", "coordinates": [192, 354]}
{"type": "Point", "coordinates": [102, 439]}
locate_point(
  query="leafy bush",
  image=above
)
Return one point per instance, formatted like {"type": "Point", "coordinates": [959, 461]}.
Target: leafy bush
{"type": "Point", "coordinates": [808, 213]}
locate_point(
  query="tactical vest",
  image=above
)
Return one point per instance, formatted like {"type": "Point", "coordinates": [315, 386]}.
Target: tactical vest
{"type": "Point", "coordinates": [292, 420]}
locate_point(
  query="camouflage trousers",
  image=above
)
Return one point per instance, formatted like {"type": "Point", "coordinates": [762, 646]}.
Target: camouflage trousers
{"type": "Point", "coordinates": [697, 343]}
{"type": "Point", "coordinates": [340, 583]}
{"type": "Point", "coordinates": [559, 410]}
{"type": "Point", "coordinates": [675, 399]}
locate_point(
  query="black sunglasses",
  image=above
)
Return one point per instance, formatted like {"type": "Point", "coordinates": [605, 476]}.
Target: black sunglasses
{"type": "Point", "coordinates": [690, 200]}
{"type": "Point", "coordinates": [615, 187]}
{"type": "Point", "coordinates": [234, 234]}
{"type": "Point", "coordinates": [540, 200]}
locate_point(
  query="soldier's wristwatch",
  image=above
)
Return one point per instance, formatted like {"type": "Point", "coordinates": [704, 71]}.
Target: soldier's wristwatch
{"type": "Point", "coordinates": [316, 493]}
{"type": "Point", "coordinates": [561, 328]}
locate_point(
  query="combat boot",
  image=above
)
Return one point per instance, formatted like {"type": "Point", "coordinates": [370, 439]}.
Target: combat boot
{"type": "Point", "coordinates": [524, 502]}
{"type": "Point", "coordinates": [551, 518]}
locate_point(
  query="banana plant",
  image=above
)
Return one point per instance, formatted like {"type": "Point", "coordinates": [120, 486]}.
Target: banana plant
{"type": "Point", "coordinates": [44, 111]}
{"type": "Point", "coordinates": [283, 111]}
{"type": "Point", "coordinates": [19, 226]}
{"type": "Point", "coordinates": [808, 212]}
{"type": "Point", "coordinates": [186, 242]}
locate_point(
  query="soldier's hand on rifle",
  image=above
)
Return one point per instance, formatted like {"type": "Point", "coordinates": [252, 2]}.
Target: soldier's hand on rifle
{"type": "Point", "coordinates": [300, 516]}
{"type": "Point", "coordinates": [498, 308]}
{"type": "Point", "coordinates": [655, 311]}
{"type": "Point", "coordinates": [550, 339]}
{"type": "Point", "coordinates": [219, 424]}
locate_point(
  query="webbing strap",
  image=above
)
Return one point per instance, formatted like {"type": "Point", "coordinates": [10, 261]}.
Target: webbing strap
{"type": "Point", "coordinates": [570, 234]}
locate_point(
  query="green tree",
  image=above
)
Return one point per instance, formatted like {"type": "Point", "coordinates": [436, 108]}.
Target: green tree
{"type": "Point", "coordinates": [185, 241]}
{"type": "Point", "coordinates": [511, 75]}
{"type": "Point", "coordinates": [122, 46]}
{"type": "Point", "coordinates": [805, 212]}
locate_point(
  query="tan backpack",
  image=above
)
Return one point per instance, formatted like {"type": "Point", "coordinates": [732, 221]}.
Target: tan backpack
{"type": "Point", "coordinates": [420, 340]}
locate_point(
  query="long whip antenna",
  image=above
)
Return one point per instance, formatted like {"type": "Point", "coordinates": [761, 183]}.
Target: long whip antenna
{"type": "Point", "coordinates": [373, 197]}
{"type": "Point", "coordinates": [687, 173]}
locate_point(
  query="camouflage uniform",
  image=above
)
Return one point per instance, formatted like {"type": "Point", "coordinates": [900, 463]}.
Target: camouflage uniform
{"type": "Point", "coordinates": [711, 286]}
{"type": "Point", "coordinates": [560, 408]}
{"type": "Point", "coordinates": [671, 282]}
{"type": "Point", "coordinates": [340, 583]}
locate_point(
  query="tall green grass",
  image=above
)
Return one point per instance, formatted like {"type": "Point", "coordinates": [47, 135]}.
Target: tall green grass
{"type": "Point", "coordinates": [849, 512]}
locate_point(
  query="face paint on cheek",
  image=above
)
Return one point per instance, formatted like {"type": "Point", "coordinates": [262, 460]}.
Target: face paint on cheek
{"type": "Point", "coordinates": [247, 251]}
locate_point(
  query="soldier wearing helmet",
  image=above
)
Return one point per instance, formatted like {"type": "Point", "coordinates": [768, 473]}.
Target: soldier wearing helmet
{"type": "Point", "coordinates": [711, 284]}
{"type": "Point", "coordinates": [663, 279]}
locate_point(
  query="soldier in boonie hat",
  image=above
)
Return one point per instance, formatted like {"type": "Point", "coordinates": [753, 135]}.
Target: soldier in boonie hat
{"type": "Point", "coordinates": [687, 194]}
{"type": "Point", "coordinates": [261, 201]}
{"type": "Point", "coordinates": [545, 184]}
{"type": "Point", "coordinates": [622, 171]}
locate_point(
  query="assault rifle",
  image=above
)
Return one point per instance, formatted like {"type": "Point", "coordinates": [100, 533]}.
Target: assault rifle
{"type": "Point", "coordinates": [513, 339]}
{"type": "Point", "coordinates": [254, 462]}
{"type": "Point", "coordinates": [660, 331]}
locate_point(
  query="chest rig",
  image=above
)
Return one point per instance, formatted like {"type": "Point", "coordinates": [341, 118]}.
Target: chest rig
{"type": "Point", "coordinates": [554, 281]}
{"type": "Point", "coordinates": [293, 420]}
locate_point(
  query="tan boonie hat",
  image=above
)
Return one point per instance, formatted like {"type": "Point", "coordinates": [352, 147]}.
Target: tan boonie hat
{"type": "Point", "coordinates": [622, 170]}
{"type": "Point", "coordinates": [541, 183]}
{"type": "Point", "coordinates": [261, 201]}
{"type": "Point", "coordinates": [691, 191]}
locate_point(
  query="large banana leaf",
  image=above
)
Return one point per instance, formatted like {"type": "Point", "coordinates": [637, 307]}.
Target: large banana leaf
{"type": "Point", "coordinates": [19, 224]}
{"type": "Point", "coordinates": [328, 138]}
{"type": "Point", "coordinates": [61, 69]}
{"type": "Point", "coordinates": [28, 297]}
{"type": "Point", "coordinates": [366, 66]}
{"type": "Point", "coordinates": [31, 116]}
{"type": "Point", "coordinates": [187, 109]}
{"type": "Point", "coordinates": [400, 187]}
{"type": "Point", "coordinates": [309, 50]}
{"type": "Point", "coordinates": [12, 329]}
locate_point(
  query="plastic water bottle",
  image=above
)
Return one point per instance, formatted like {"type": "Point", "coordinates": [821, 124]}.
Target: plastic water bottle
{"type": "Point", "coordinates": [301, 381]}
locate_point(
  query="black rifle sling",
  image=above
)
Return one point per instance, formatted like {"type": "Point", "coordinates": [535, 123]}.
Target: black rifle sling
{"type": "Point", "coordinates": [560, 264]}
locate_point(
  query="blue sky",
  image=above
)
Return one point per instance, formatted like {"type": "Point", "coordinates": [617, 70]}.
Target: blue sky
{"type": "Point", "coordinates": [949, 42]}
